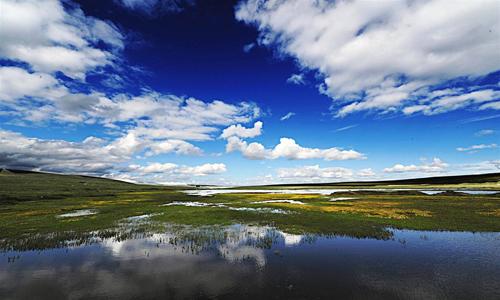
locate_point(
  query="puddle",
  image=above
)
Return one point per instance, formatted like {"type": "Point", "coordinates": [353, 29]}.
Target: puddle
{"type": "Point", "coordinates": [138, 218]}
{"type": "Point", "coordinates": [78, 213]}
{"type": "Point", "coordinates": [342, 199]}
{"type": "Point", "coordinates": [260, 209]}
{"type": "Point", "coordinates": [210, 192]}
{"type": "Point", "coordinates": [280, 201]}
{"type": "Point", "coordinates": [190, 204]}
{"type": "Point", "coordinates": [223, 205]}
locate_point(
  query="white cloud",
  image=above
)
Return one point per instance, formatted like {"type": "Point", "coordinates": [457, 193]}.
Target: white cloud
{"type": "Point", "coordinates": [177, 146]}
{"type": "Point", "coordinates": [50, 39]}
{"type": "Point", "coordinates": [174, 169]}
{"type": "Point", "coordinates": [383, 55]}
{"type": "Point", "coordinates": [154, 168]}
{"type": "Point", "coordinates": [437, 165]}
{"type": "Point", "coordinates": [92, 155]}
{"type": "Point", "coordinates": [152, 115]}
{"type": "Point", "coordinates": [314, 172]}
{"type": "Point", "coordinates": [204, 170]}
{"type": "Point", "coordinates": [296, 79]}
{"type": "Point", "coordinates": [16, 83]}
{"type": "Point", "coordinates": [477, 147]}
{"type": "Point", "coordinates": [248, 47]}
{"type": "Point", "coordinates": [366, 172]}
{"type": "Point", "coordinates": [491, 105]}
{"type": "Point", "coordinates": [239, 131]}
{"type": "Point", "coordinates": [345, 128]}
{"type": "Point", "coordinates": [287, 116]}
{"type": "Point", "coordinates": [480, 167]}
{"type": "Point", "coordinates": [289, 149]}
{"type": "Point", "coordinates": [432, 106]}
{"type": "Point", "coordinates": [485, 132]}
{"type": "Point", "coordinates": [156, 7]}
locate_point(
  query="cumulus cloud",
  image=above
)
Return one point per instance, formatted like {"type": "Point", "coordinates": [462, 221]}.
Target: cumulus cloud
{"type": "Point", "coordinates": [477, 147]}
{"type": "Point", "coordinates": [287, 116]}
{"type": "Point", "coordinates": [93, 155]}
{"type": "Point", "coordinates": [35, 94]}
{"type": "Point", "coordinates": [453, 100]}
{"type": "Point", "coordinates": [204, 170]}
{"type": "Point", "coordinates": [15, 83]}
{"type": "Point", "coordinates": [314, 172]}
{"type": "Point", "coordinates": [436, 165]}
{"type": "Point", "coordinates": [289, 149]}
{"type": "Point", "coordinates": [388, 55]}
{"type": "Point", "coordinates": [49, 38]}
{"type": "Point", "coordinates": [151, 114]}
{"type": "Point", "coordinates": [174, 169]}
{"type": "Point", "coordinates": [240, 131]}
{"type": "Point", "coordinates": [47, 41]}
{"type": "Point", "coordinates": [177, 146]}
{"type": "Point", "coordinates": [368, 172]}
{"type": "Point", "coordinates": [480, 167]}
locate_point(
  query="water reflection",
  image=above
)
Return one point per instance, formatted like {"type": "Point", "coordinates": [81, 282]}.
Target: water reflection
{"type": "Point", "coordinates": [256, 262]}
{"type": "Point", "coordinates": [236, 243]}
{"type": "Point", "coordinates": [324, 191]}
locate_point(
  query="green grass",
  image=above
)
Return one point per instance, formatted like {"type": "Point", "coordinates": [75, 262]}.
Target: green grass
{"type": "Point", "coordinates": [28, 220]}
{"type": "Point", "coordinates": [18, 186]}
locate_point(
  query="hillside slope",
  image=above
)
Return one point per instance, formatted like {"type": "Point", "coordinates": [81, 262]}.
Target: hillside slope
{"type": "Point", "coordinates": [16, 185]}
{"type": "Point", "coordinates": [473, 180]}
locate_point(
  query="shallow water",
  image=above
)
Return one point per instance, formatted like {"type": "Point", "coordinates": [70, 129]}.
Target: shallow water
{"type": "Point", "coordinates": [79, 213]}
{"type": "Point", "coordinates": [252, 262]}
{"type": "Point", "coordinates": [223, 205]}
{"type": "Point", "coordinates": [210, 192]}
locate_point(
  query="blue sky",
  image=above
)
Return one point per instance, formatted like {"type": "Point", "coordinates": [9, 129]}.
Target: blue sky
{"type": "Point", "coordinates": [245, 92]}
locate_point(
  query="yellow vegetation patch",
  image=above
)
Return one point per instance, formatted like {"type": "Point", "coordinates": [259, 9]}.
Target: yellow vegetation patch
{"type": "Point", "coordinates": [383, 212]}
{"type": "Point", "coordinates": [495, 212]}
{"type": "Point", "coordinates": [372, 209]}
{"type": "Point", "coordinates": [262, 196]}
{"type": "Point", "coordinates": [109, 202]}
{"type": "Point", "coordinates": [30, 213]}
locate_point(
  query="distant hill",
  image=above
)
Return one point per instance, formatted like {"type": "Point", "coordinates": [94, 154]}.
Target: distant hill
{"type": "Point", "coordinates": [480, 178]}
{"type": "Point", "coordinates": [18, 185]}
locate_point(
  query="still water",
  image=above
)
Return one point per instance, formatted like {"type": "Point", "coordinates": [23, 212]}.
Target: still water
{"type": "Point", "coordinates": [318, 191]}
{"type": "Point", "coordinates": [252, 262]}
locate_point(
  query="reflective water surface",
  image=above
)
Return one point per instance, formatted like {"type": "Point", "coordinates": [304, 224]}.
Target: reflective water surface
{"type": "Point", "coordinates": [253, 262]}
{"type": "Point", "coordinates": [319, 191]}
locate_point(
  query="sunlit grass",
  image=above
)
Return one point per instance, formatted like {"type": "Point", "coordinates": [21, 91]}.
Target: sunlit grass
{"type": "Point", "coordinates": [365, 215]}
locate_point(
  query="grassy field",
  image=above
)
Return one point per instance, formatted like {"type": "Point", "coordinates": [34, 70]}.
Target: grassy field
{"type": "Point", "coordinates": [32, 204]}
{"type": "Point", "coordinates": [18, 186]}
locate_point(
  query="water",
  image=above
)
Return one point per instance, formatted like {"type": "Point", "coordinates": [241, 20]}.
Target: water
{"type": "Point", "coordinates": [210, 192]}
{"type": "Point", "coordinates": [252, 262]}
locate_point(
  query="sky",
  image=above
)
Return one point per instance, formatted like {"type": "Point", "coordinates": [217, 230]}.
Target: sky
{"type": "Point", "coordinates": [250, 91]}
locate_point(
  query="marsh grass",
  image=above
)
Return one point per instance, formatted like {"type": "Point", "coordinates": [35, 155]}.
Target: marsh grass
{"type": "Point", "coordinates": [30, 218]}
